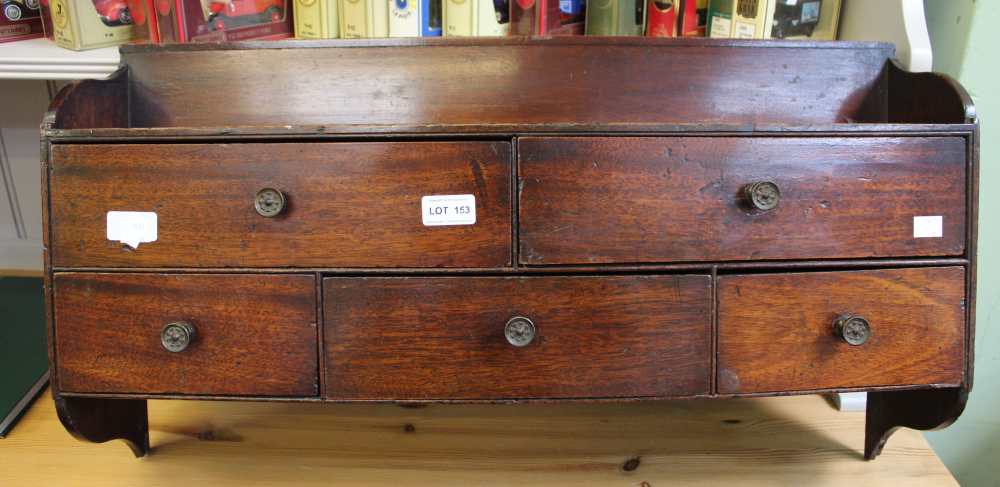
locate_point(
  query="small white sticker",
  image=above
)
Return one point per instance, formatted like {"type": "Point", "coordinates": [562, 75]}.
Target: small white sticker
{"type": "Point", "coordinates": [448, 209]}
{"type": "Point", "coordinates": [745, 30]}
{"type": "Point", "coordinates": [132, 227]}
{"type": "Point", "coordinates": [927, 226]}
{"type": "Point", "coordinates": [721, 27]}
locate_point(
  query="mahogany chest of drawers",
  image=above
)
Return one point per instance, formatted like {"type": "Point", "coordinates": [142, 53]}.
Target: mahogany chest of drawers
{"type": "Point", "coordinates": [510, 220]}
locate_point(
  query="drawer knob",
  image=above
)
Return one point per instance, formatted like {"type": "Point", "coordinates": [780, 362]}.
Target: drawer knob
{"type": "Point", "coordinates": [269, 202]}
{"type": "Point", "coordinates": [520, 331]}
{"type": "Point", "coordinates": [854, 329]}
{"type": "Point", "coordinates": [762, 195]}
{"type": "Point", "coordinates": [177, 336]}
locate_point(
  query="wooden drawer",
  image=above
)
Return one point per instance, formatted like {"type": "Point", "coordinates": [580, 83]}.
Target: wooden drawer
{"type": "Point", "coordinates": [776, 331]}
{"type": "Point", "coordinates": [348, 204]}
{"type": "Point", "coordinates": [655, 199]}
{"type": "Point", "coordinates": [255, 335]}
{"type": "Point", "coordinates": [444, 337]}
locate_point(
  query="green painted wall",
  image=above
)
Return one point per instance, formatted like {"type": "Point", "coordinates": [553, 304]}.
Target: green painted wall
{"type": "Point", "coordinates": [965, 36]}
{"type": "Point", "coordinates": [23, 355]}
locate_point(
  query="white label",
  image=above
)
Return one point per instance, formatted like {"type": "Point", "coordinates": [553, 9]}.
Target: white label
{"type": "Point", "coordinates": [132, 227]}
{"type": "Point", "coordinates": [927, 226]}
{"type": "Point", "coordinates": [745, 30]}
{"type": "Point", "coordinates": [448, 209]}
{"type": "Point", "coordinates": [721, 27]}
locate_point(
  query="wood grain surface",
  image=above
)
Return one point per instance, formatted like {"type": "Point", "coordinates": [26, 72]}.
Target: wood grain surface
{"type": "Point", "coordinates": [922, 97]}
{"type": "Point", "coordinates": [349, 204]}
{"type": "Point", "coordinates": [646, 199]}
{"type": "Point", "coordinates": [443, 338]}
{"type": "Point", "coordinates": [742, 443]}
{"type": "Point", "coordinates": [776, 330]}
{"type": "Point", "coordinates": [509, 80]}
{"type": "Point", "coordinates": [257, 335]}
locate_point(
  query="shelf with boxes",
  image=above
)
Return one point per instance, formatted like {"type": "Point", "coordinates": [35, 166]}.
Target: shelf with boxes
{"type": "Point", "coordinates": [88, 24]}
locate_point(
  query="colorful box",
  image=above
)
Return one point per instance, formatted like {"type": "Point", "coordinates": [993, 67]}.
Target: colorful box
{"type": "Point", "coordinates": [143, 21]}
{"type": "Point", "coordinates": [481, 18]}
{"type": "Point", "coordinates": [364, 18]}
{"type": "Point", "coordinates": [415, 18]}
{"type": "Point", "coordinates": [20, 19]}
{"type": "Point", "coordinates": [547, 17]}
{"type": "Point", "coordinates": [803, 19]}
{"type": "Point", "coordinates": [88, 24]}
{"type": "Point", "coordinates": [778, 19]}
{"type": "Point", "coordinates": [616, 17]}
{"type": "Point", "coordinates": [223, 20]}
{"type": "Point", "coordinates": [316, 19]}
{"type": "Point", "coordinates": [720, 19]}
{"type": "Point", "coordinates": [661, 18]}
{"type": "Point", "coordinates": [693, 18]}
{"type": "Point", "coordinates": [749, 19]}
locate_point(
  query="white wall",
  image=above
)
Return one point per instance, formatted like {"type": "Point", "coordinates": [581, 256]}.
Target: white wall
{"type": "Point", "coordinates": [22, 104]}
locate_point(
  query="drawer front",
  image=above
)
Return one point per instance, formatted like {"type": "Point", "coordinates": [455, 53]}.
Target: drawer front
{"type": "Point", "coordinates": [445, 338]}
{"type": "Point", "coordinates": [254, 335]}
{"type": "Point", "coordinates": [634, 199]}
{"type": "Point", "coordinates": [777, 331]}
{"type": "Point", "coordinates": [347, 204]}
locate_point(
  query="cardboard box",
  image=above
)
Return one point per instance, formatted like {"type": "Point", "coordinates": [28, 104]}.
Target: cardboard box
{"type": "Point", "coordinates": [144, 21]}
{"type": "Point", "coordinates": [547, 17]}
{"type": "Point", "coordinates": [480, 18]}
{"type": "Point", "coordinates": [415, 18]}
{"type": "Point", "coordinates": [777, 19]}
{"type": "Point", "coordinates": [616, 17]}
{"type": "Point", "coordinates": [316, 19]}
{"type": "Point", "coordinates": [720, 18]}
{"type": "Point", "coordinates": [693, 18]}
{"type": "Point", "coordinates": [88, 24]}
{"type": "Point", "coordinates": [20, 19]}
{"type": "Point", "coordinates": [661, 18]}
{"type": "Point", "coordinates": [803, 19]}
{"type": "Point", "coordinates": [737, 19]}
{"type": "Point", "coordinates": [223, 20]}
{"type": "Point", "coordinates": [364, 18]}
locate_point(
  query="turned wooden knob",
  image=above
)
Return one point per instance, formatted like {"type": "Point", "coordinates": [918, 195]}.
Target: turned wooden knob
{"type": "Point", "coordinates": [177, 336]}
{"type": "Point", "coordinates": [762, 195]}
{"type": "Point", "coordinates": [520, 331]}
{"type": "Point", "coordinates": [853, 329]}
{"type": "Point", "coordinates": [269, 202]}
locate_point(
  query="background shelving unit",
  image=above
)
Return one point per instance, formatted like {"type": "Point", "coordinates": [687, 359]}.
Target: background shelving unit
{"type": "Point", "coordinates": [41, 59]}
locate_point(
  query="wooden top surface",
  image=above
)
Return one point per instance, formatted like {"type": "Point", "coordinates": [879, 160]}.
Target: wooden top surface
{"type": "Point", "coordinates": [514, 82]}
{"type": "Point", "coordinates": [762, 441]}
{"type": "Point", "coordinates": [502, 41]}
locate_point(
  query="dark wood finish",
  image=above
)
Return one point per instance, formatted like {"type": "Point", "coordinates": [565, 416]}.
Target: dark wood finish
{"type": "Point", "coordinates": [919, 409]}
{"type": "Point", "coordinates": [478, 131]}
{"type": "Point", "coordinates": [257, 335]}
{"type": "Point", "coordinates": [101, 420]}
{"type": "Point", "coordinates": [973, 252]}
{"type": "Point", "coordinates": [925, 97]}
{"type": "Point", "coordinates": [349, 204]}
{"type": "Point", "coordinates": [596, 200]}
{"type": "Point", "coordinates": [443, 338]}
{"type": "Point", "coordinates": [91, 104]}
{"type": "Point", "coordinates": [507, 80]}
{"type": "Point", "coordinates": [776, 330]}
{"type": "Point", "coordinates": [806, 96]}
